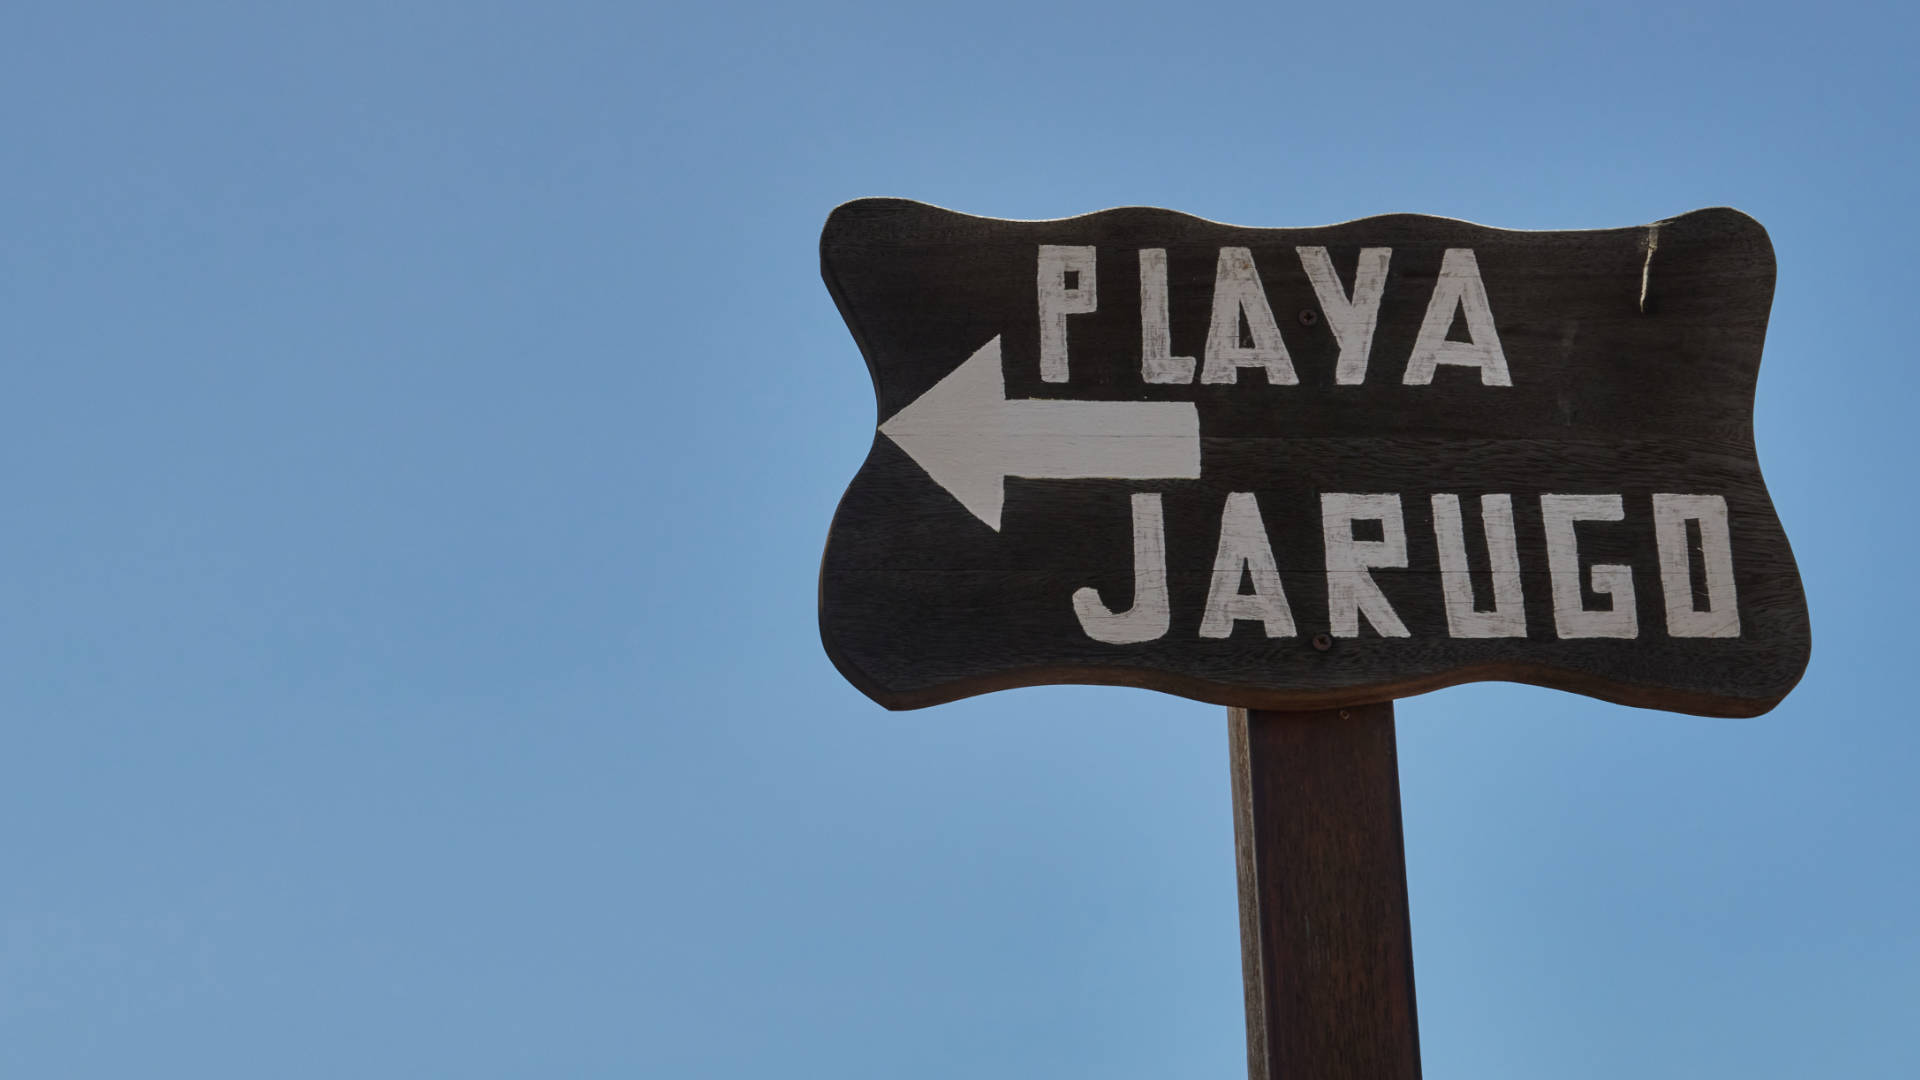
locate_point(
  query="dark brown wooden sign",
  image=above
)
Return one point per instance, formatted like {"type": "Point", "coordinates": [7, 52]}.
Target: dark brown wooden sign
{"type": "Point", "coordinates": [1307, 468]}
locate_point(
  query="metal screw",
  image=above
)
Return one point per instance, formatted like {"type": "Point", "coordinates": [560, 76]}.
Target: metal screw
{"type": "Point", "coordinates": [1322, 642]}
{"type": "Point", "coordinates": [1345, 715]}
{"type": "Point", "coordinates": [1308, 316]}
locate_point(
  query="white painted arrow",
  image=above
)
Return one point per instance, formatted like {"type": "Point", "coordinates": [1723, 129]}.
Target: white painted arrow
{"type": "Point", "coordinates": [970, 438]}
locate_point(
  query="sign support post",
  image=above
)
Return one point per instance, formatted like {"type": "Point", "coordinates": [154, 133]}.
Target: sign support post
{"type": "Point", "coordinates": [1326, 943]}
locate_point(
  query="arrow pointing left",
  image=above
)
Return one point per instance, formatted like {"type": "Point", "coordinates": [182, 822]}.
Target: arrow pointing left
{"type": "Point", "coordinates": [970, 438]}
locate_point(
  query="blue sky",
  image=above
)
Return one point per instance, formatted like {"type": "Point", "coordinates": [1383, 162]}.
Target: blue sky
{"type": "Point", "coordinates": [422, 421]}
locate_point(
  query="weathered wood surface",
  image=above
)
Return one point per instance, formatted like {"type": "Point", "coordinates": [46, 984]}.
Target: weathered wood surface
{"type": "Point", "coordinates": [1629, 363]}
{"type": "Point", "coordinates": [1326, 941]}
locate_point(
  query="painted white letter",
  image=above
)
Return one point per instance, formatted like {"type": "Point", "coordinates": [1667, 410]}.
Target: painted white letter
{"type": "Point", "coordinates": [1351, 590]}
{"type": "Point", "coordinates": [1459, 286]}
{"type": "Point", "coordinates": [1057, 301]}
{"type": "Point", "coordinates": [1670, 516]}
{"type": "Point", "coordinates": [1237, 291]}
{"type": "Point", "coordinates": [1150, 614]}
{"type": "Point", "coordinates": [1571, 619]}
{"type": "Point", "coordinates": [1352, 321]}
{"type": "Point", "coordinates": [1244, 547]}
{"type": "Point", "coordinates": [1509, 615]}
{"type": "Point", "coordinates": [1157, 362]}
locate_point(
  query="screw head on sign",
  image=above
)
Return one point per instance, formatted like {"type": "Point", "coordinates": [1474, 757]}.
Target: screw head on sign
{"type": "Point", "coordinates": [1323, 642]}
{"type": "Point", "coordinates": [1308, 316]}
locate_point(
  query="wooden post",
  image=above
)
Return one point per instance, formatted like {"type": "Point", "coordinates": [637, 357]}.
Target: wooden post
{"type": "Point", "coordinates": [1326, 946]}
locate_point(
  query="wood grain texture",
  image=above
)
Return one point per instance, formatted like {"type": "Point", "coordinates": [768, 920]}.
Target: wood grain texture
{"type": "Point", "coordinates": [1633, 356]}
{"type": "Point", "coordinates": [1326, 941]}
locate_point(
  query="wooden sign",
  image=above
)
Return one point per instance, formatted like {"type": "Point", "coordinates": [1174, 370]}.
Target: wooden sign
{"type": "Point", "coordinates": [1307, 468]}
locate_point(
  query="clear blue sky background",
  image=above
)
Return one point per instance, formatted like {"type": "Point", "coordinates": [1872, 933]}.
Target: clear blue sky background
{"type": "Point", "coordinates": [419, 428]}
